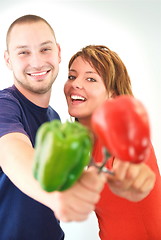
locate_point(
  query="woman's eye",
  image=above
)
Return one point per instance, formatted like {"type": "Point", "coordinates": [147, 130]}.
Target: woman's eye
{"type": "Point", "coordinates": [91, 79]}
{"type": "Point", "coordinates": [70, 77]}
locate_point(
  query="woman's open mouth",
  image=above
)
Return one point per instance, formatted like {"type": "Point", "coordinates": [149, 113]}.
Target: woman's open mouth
{"type": "Point", "coordinates": [77, 98]}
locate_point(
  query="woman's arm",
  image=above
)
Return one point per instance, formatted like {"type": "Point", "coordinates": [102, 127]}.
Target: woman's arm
{"type": "Point", "coordinates": [131, 181]}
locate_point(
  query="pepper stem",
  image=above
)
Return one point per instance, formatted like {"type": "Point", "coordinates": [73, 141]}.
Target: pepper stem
{"type": "Point", "coordinates": [106, 156]}
{"type": "Point", "coordinates": [106, 153]}
{"type": "Point", "coordinates": [102, 168]}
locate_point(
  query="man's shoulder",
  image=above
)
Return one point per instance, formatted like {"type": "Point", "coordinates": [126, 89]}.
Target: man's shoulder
{"type": "Point", "coordinates": [8, 93]}
{"type": "Point", "coordinates": [9, 100]}
{"type": "Point", "coordinates": [53, 113]}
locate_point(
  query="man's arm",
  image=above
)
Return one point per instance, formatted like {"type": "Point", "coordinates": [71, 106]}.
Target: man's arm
{"type": "Point", "coordinates": [74, 204]}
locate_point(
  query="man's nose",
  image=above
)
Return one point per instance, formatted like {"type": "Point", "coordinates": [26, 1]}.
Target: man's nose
{"type": "Point", "coordinates": [36, 61]}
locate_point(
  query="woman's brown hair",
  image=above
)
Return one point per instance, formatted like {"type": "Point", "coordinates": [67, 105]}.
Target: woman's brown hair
{"type": "Point", "coordinates": [109, 66]}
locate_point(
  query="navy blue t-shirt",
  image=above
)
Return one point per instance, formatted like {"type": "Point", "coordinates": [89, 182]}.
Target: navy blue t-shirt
{"type": "Point", "coordinates": [21, 217]}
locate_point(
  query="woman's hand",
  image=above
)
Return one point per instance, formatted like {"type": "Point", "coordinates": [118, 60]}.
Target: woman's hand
{"type": "Point", "coordinates": [131, 181]}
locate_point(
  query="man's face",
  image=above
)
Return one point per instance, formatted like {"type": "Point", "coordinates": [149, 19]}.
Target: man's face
{"type": "Point", "coordinates": [34, 56]}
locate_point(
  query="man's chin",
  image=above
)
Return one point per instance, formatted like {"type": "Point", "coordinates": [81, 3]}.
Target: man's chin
{"type": "Point", "coordinates": [39, 90]}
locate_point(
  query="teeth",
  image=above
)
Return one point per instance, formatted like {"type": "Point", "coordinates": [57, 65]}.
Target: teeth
{"type": "Point", "coordinates": [75, 97]}
{"type": "Point", "coordinates": [37, 74]}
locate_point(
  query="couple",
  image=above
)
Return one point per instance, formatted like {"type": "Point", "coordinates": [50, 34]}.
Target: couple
{"type": "Point", "coordinates": [127, 206]}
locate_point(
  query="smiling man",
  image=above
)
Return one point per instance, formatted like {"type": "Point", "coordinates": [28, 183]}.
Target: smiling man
{"type": "Point", "coordinates": [34, 59]}
{"type": "Point", "coordinates": [27, 211]}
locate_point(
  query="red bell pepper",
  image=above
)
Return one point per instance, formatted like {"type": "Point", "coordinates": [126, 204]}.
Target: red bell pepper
{"type": "Point", "coordinates": [122, 124]}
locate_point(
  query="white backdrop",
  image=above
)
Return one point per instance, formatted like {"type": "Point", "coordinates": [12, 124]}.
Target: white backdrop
{"type": "Point", "coordinates": [131, 28]}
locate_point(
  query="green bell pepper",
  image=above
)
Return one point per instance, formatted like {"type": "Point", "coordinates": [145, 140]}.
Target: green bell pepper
{"type": "Point", "coordinates": [62, 151]}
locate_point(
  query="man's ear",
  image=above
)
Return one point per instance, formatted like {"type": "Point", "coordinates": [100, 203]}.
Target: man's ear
{"type": "Point", "coordinates": [59, 52]}
{"type": "Point", "coordinates": [7, 59]}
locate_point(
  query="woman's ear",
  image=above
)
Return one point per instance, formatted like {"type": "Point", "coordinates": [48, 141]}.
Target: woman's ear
{"type": "Point", "coordinates": [111, 94]}
{"type": "Point", "coordinates": [7, 59]}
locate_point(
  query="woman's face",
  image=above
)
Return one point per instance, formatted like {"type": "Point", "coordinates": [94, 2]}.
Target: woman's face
{"type": "Point", "coordinates": [84, 90]}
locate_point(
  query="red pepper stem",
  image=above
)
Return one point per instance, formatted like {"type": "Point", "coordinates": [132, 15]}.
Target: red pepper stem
{"type": "Point", "coordinates": [106, 156]}
{"type": "Point", "coordinates": [102, 168]}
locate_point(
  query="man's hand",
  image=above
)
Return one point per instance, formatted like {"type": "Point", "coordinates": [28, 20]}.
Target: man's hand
{"type": "Point", "coordinates": [76, 203]}
{"type": "Point", "coordinates": [131, 181]}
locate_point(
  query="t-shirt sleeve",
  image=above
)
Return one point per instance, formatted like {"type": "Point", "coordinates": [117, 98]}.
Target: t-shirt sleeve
{"type": "Point", "coordinates": [10, 116]}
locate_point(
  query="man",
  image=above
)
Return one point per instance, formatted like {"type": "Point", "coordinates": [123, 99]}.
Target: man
{"type": "Point", "coordinates": [27, 211]}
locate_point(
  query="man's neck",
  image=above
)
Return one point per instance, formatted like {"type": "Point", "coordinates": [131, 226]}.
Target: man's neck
{"type": "Point", "coordinates": [41, 100]}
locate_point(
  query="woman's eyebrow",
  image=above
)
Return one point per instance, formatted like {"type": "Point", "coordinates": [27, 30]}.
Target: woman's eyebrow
{"type": "Point", "coordinates": [73, 70]}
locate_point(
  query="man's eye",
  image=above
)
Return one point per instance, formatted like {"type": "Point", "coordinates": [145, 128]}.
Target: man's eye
{"type": "Point", "coordinates": [23, 53]}
{"type": "Point", "coordinates": [70, 77]}
{"type": "Point", "coordinates": [45, 49]}
{"type": "Point", "coordinates": [91, 79]}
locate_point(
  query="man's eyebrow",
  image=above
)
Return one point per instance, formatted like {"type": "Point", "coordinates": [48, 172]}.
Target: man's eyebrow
{"type": "Point", "coordinates": [26, 46]}
{"type": "Point", "coordinates": [46, 42]}
{"type": "Point", "coordinates": [21, 47]}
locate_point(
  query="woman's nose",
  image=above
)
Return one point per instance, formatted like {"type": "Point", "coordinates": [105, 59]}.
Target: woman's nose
{"type": "Point", "coordinates": [78, 83]}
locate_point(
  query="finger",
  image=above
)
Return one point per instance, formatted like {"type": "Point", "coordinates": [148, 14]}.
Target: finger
{"type": "Point", "coordinates": [68, 215]}
{"type": "Point", "coordinates": [125, 175]}
{"type": "Point", "coordinates": [93, 181]}
{"type": "Point", "coordinates": [80, 191]}
{"type": "Point", "coordinates": [82, 207]}
{"type": "Point", "coordinates": [120, 170]}
{"type": "Point", "coordinates": [148, 185]}
{"type": "Point", "coordinates": [70, 208]}
{"type": "Point", "coordinates": [132, 173]}
{"type": "Point", "coordinates": [145, 180]}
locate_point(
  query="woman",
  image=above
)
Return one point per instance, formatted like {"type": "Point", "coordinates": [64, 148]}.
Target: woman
{"type": "Point", "coordinates": [130, 204]}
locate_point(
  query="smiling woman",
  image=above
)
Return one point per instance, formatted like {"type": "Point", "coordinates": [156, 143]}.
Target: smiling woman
{"type": "Point", "coordinates": [98, 77]}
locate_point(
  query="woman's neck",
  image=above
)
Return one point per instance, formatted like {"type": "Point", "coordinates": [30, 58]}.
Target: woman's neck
{"type": "Point", "coordinates": [86, 122]}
